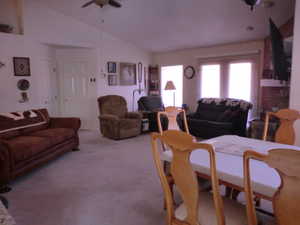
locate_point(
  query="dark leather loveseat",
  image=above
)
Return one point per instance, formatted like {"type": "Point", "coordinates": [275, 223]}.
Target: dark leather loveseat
{"type": "Point", "coordinates": [219, 116]}
{"type": "Point", "coordinates": [149, 106]}
{"type": "Point", "coordinates": [31, 138]}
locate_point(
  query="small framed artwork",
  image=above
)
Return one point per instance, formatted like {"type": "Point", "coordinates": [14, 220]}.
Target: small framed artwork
{"type": "Point", "coordinates": [21, 66]}
{"type": "Point", "coordinates": [111, 67]}
{"type": "Point", "coordinates": [112, 80]}
{"type": "Point", "coordinates": [140, 72]}
{"type": "Point", "coordinates": [145, 77]}
{"type": "Point", "coordinates": [128, 74]}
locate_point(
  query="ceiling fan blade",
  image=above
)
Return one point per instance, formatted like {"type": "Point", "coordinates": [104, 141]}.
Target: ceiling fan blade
{"type": "Point", "coordinates": [88, 3]}
{"type": "Point", "coordinates": [114, 3]}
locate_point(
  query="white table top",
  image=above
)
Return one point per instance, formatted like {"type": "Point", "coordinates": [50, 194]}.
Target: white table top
{"type": "Point", "coordinates": [230, 165]}
{"type": "Point", "coordinates": [5, 218]}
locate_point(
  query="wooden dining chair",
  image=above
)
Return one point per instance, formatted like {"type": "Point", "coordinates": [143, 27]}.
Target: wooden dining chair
{"type": "Point", "coordinates": [286, 200]}
{"type": "Point", "coordinates": [198, 208]}
{"type": "Point", "coordinates": [285, 134]}
{"type": "Point", "coordinates": [172, 112]}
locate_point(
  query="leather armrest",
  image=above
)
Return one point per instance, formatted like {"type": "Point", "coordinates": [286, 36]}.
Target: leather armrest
{"type": "Point", "coordinates": [64, 122]}
{"type": "Point", "coordinates": [133, 115]}
{"type": "Point", "coordinates": [192, 115]}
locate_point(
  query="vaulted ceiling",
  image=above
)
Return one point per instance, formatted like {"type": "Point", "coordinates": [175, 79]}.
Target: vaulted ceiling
{"type": "Point", "coordinates": [163, 25]}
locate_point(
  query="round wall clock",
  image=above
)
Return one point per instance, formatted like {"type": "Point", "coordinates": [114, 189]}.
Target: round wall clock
{"type": "Point", "coordinates": [189, 72]}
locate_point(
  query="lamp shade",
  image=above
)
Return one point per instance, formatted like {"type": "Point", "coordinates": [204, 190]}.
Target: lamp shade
{"type": "Point", "coordinates": [170, 85]}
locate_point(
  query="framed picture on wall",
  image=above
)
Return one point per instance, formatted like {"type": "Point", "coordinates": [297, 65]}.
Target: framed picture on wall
{"type": "Point", "coordinates": [112, 80]}
{"type": "Point", "coordinates": [111, 67]}
{"type": "Point", "coordinates": [140, 72]}
{"type": "Point", "coordinates": [21, 66]}
{"type": "Point", "coordinates": [128, 74]}
{"type": "Point", "coordinates": [145, 77]}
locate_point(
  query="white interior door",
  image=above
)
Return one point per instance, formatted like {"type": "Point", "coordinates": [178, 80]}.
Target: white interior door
{"type": "Point", "coordinates": [48, 85]}
{"type": "Point", "coordinates": [78, 91]}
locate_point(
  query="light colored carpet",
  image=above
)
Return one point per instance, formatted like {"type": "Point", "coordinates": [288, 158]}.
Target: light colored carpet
{"type": "Point", "coordinates": [106, 183]}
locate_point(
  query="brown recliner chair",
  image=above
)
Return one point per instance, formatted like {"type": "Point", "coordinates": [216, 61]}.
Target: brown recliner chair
{"type": "Point", "coordinates": [115, 120]}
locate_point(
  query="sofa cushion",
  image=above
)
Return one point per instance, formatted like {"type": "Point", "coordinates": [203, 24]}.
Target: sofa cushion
{"type": "Point", "coordinates": [55, 135]}
{"type": "Point", "coordinates": [210, 115]}
{"type": "Point", "coordinates": [113, 104]}
{"type": "Point", "coordinates": [18, 123]}
{"type": "Point", "coordinates": [209, 129]}
{"type": "Point", "coordinates": [24, 147]}
{"type": "Point", "coordinates": [210, 111]}
{"type": "Point", "coordinates": [42, 113]}
{"type": "Point", "coordinates": [210, 124]}
{"type": "Point", "coordinates": [226, 116]}
{"type": "Point", "coordinates": [151, 103]}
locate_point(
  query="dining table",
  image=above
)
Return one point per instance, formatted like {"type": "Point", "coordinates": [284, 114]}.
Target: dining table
{"type": "Point", "coordinates": [229, 150]}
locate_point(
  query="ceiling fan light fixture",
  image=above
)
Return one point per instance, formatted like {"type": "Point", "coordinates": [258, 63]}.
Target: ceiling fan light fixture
{"type": "Point", "coordinates": [252, 3]}
{"type": "Point", "coordinates": [102, 3]}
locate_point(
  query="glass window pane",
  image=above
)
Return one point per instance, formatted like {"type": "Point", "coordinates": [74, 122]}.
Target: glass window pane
{"type": "Point", "coordinates": [210, 81]}
{"type": "Point", "coordinates": [240, 80]}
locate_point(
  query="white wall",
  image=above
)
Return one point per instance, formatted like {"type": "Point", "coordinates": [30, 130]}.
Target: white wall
{"type": "Point", "coordinates": [191, 57]}
{"type": "Point", "coordinates": [45, 26]}
{"type": "Point", "coordinates": [48, 26]}
{"type": "Point", "coordinates": [295, 82]}
{"type": "Point", "coordinates": [14, 45]}
{"type": "Point", "coordinates": [116, 50]}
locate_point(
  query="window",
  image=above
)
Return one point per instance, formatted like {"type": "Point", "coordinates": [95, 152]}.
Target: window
{"type": "Point", "coordinates": [174, 74]}
{"type": "Point", "coordinates": [228, 79]}
{"type": "Point", "coordinates": [210, 81]}
{"type": "Point", "coordinates": [240, 80]}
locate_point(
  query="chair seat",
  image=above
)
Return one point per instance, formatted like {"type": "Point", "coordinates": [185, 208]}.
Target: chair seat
{"type": "Point", "coordinates": [235, 213]}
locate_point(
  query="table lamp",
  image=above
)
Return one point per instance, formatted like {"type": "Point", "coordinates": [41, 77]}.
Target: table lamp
{"type": "Point", "coordinates": [171, 87]}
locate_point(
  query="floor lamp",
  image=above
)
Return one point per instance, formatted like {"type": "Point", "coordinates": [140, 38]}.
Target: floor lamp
{"type": "Point", "coordinates": [171, 87]}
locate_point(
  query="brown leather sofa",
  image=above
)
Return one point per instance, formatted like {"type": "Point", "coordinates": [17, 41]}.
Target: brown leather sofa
{"type": "Point", "coordinates": [31, 138]}
{"type": "Point", "coordinates": [115, 120]}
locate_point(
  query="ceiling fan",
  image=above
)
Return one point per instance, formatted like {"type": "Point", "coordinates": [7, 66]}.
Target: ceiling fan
{"type": "Point", "coordinates": [252, 3]}
{"type": "Point", "coordinates": [102, 3]}
{"type": "Point", "coordinates": [265, 3]}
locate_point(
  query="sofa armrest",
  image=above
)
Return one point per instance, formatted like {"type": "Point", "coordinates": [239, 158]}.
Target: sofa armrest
{"type": "Point", "coordinates": [65, 122]}
{"type": "Point", "coordinates": [108, 117]}
{"type": "Point", "coordinates": [4, 165]}
{"type": "Point", "coordinates": [192, 115]}
{"type": "Point", "coordinates": [133, 115]}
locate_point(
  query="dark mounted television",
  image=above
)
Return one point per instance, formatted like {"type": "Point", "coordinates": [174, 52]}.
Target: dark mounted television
{"type": "Point", "coordinates": [280, 60]}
